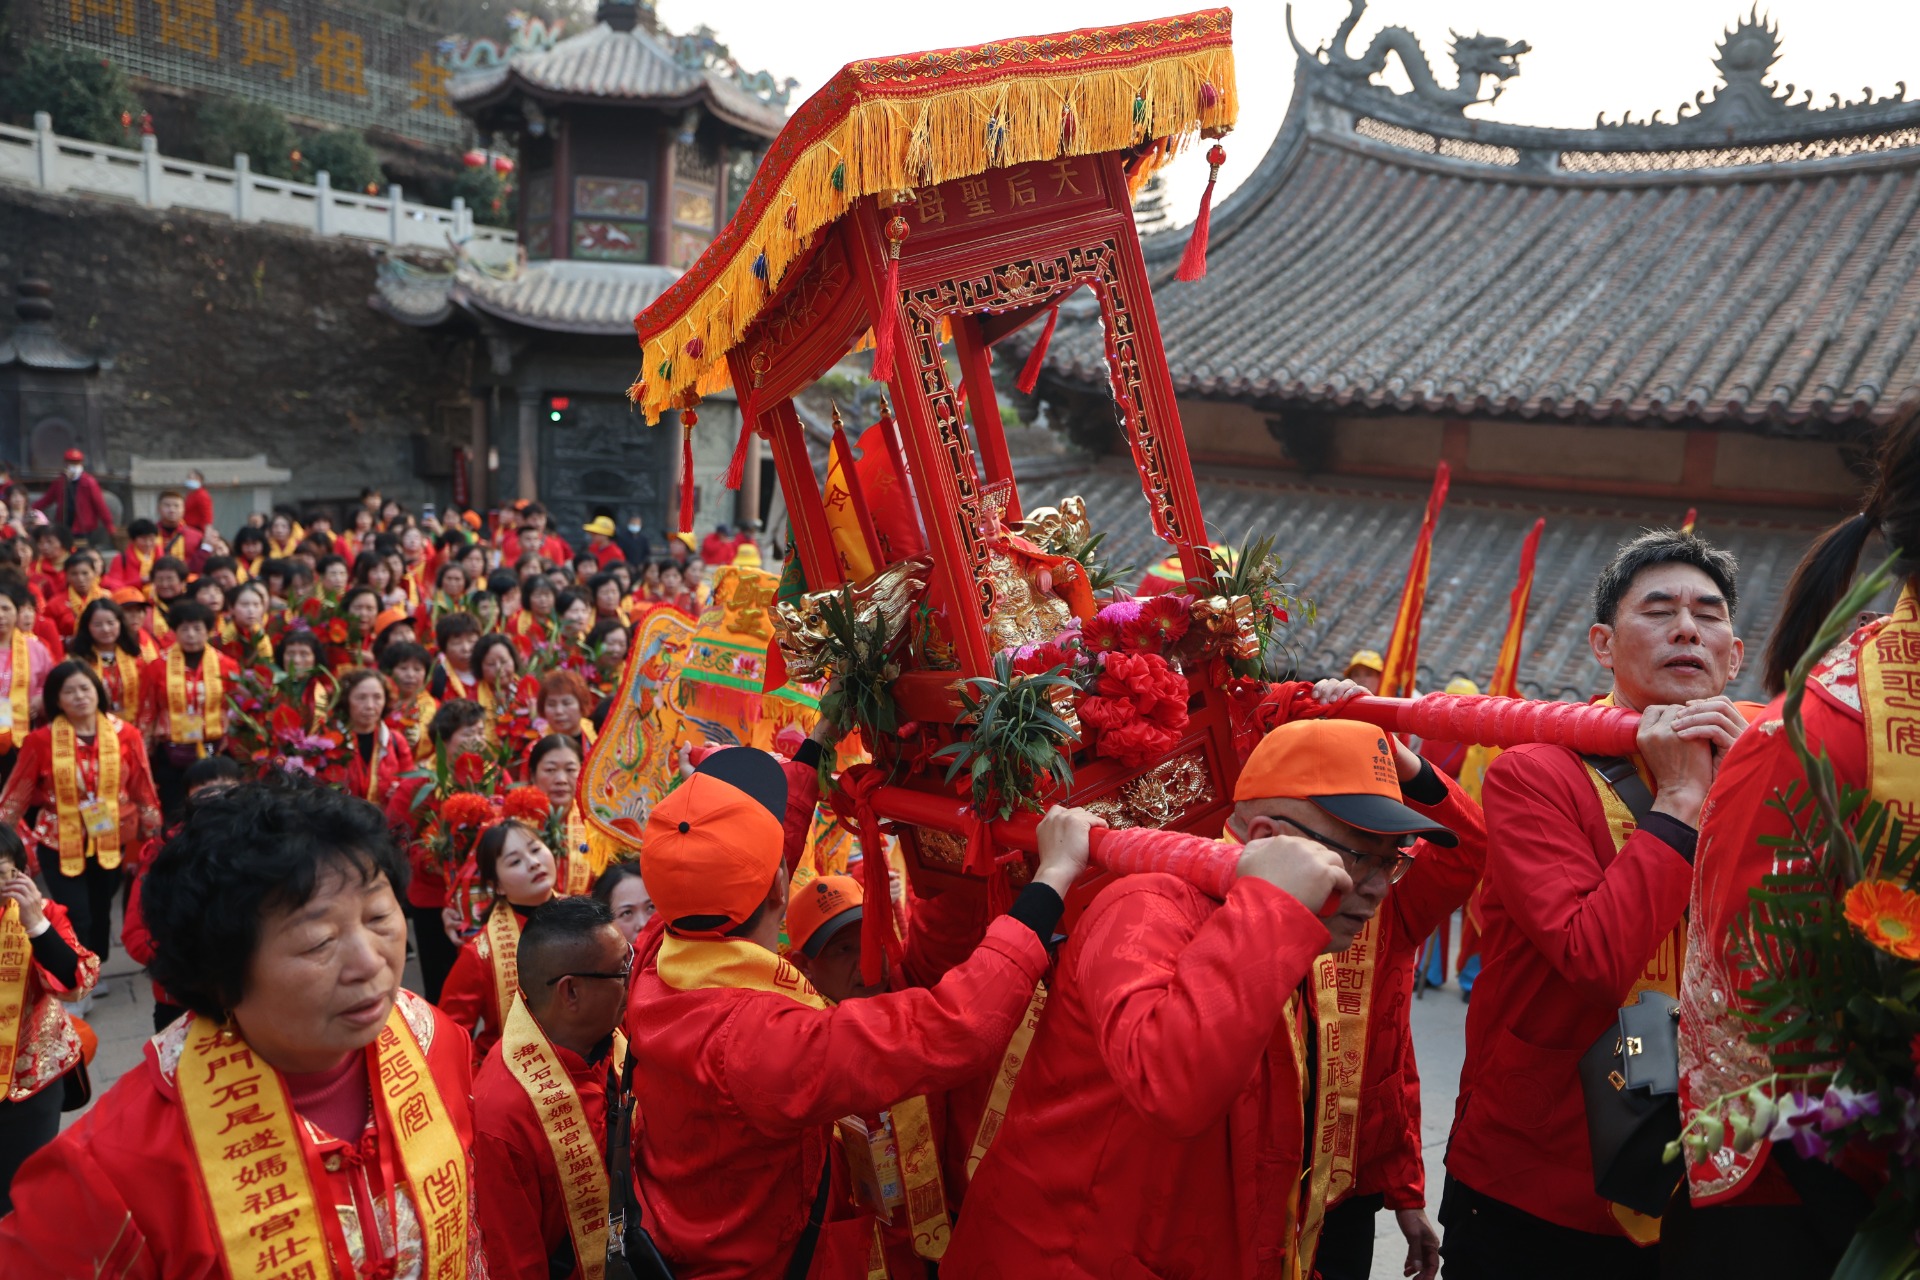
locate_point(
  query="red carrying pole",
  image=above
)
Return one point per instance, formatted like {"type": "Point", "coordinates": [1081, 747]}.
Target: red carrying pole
{"type": "Point", "coordinates": [1499, 722]}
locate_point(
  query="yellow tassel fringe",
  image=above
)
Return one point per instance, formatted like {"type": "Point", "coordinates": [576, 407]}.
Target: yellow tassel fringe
{"type": "Point", "coordinates": [892, 144]}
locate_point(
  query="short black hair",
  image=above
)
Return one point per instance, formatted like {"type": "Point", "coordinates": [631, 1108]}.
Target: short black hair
{"type": "Point", "coordinates": [215, 768]}
{"type": "Point", "coordinates": [14, 850]}
{"type": "Point", "coordinates": [297, 639]}
{"type": "Point", "coordinates": [617, 870]}
{"type": "Point", "coordinates": [141, 527]}
{"type": "Point", "coordinates": [1657, 547]}
{"type": "Point", "coordinates": [452, 626]}
{"type": "Point", "coordinates": [406, 651]}
{"type": "Point", "coordinates": [187, 612]}
{"type": "Point", "coordinates": [454, 715]}
{"type": "Point", "coordinates": [487, 644]}
{"type": "Point", "coordinates": [16, 592]}
{"type": "Point", "coordinates": [171, 564]}
{"type": "Point", "coordinates": [65, 671]}
{"type": "Point", "coordinates": [537, 582]}
{"type": "Point", "coordinates": [548, 745]}
{"type": "Point", "coordinates": [551, 942]}
{"type": "Point", "coordinates": [502, 581]}
{"type": "Point", "coordinates": [254, 848]}
{"type": "Point", "coordinates": [215, 564]}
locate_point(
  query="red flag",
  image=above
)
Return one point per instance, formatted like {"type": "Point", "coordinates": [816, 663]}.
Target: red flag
{"type": "Point", "coordinates": [1403, 650]}
{"type": "Point", "coordinates": [1693, 514]}
{"type": "Point", "coordinates": [847, 520]}
{"type": "Point", "coordinates": [881, 485]}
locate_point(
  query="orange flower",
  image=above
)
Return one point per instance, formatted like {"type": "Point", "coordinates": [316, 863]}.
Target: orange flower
{"type": "Point", "coordinates": [1886, 915]}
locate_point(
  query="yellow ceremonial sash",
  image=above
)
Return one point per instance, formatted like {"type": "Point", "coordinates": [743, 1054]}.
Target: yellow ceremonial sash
{"type": "Point", "coordinates": [127, 671]}
{"type": "Point", "coordinates": [1662, 971]}
{"type": "Point", "coordinates": [414, 718]}
{"type": "Point", "coordinates": [693, 964]}
{"type": "Point", "coordinates": [1890, 701]}
{"type": "Point", "coordinates": [253, 1165]}
{"type": "Point", "coordinates": [78, 603]}
{"type": "Point", "coordinates": [16, 960]}
{"type": "Point", "coordinates": [211, 724]}
{"type": "Point", "coordinates": [1343, 998]}
{"type": "Point", "coordinates": [1299, 1264]}
{"type": "Point", "coordinates": [580, 1163]}
{"type": "Point", "coordinates": [1001, 1097]}
{"type": "Point", "coordinates": [926, 1191]}
{"type": "Point", "coordinates": [381, 737]}
{"type": "Point", "coordinates": [503, 940]}
{"type": "Point", "coordinates": [87, 817]}
{"type": "Point", "coordinates": [19, 693]}
{"type": "Point", "coordinates": [579, 874]}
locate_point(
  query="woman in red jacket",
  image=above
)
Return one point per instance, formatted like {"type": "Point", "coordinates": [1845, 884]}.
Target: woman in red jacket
{"type": "Point", "coordinates": [311, 1117]}
{"type": "Point", "coordinates": [457, 729]}
{"type": "Point", "coordinates": [41, 964]}
{"type": "Point", "coordinates": [518, 867]}
{"type": "Point", "coordinates": [380, 756]}
{"type": "Point", "coordinates": [86, 773]}
{"type": "Point", "coordinates": [107, 643]}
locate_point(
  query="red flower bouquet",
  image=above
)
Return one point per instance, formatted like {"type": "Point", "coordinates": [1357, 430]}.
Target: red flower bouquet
{"type": "Point", "coordinates": [1137, 709]}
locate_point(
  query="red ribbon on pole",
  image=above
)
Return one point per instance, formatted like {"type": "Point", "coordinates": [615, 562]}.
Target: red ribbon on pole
{"type": "Point", "coordinates": [879, 934]}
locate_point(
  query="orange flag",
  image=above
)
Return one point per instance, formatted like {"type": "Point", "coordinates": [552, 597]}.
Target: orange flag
{"type": "Point", "coordinates": [1506, 671]}
{"type": "Point", "coordinates": [847, 520]}
{"type": "Point", "coordinates": [1505, 684]}
{"type": "Point", "coordinates": [1403, 650]}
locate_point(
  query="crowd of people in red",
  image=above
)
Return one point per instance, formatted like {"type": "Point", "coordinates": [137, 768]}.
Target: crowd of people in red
{"type": "Point", "coordinates": [679, 1065]}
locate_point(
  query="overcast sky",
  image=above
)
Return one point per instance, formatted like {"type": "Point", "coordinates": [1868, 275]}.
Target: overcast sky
{"type": "Point", "coordinates": [1632, 55]}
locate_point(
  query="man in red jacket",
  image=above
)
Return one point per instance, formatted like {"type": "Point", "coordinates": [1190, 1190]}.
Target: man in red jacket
{"type": "Point", "coordinates": [75, 502]}
{"type": "Point", "coordinates": [742, 1068]}
{"type": "Point", "coordinates": [1159, 1126]}
{"type": "Point", "coordinates": [543, 1090]}
{"type": "Point", "coordinates": [1585, 909]}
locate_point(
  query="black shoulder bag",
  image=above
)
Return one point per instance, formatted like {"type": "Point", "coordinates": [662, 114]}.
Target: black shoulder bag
{"type": "Point", "coordinates": [631, 1253]}
{"type": "Point", "coordinates": [1631, 1075]}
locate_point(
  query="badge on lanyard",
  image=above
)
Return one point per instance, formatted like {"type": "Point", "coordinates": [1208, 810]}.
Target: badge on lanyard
{"type": "Point", "coordinates": [97, 816]}
{"type": "Point", "coordinates": [189, 728]}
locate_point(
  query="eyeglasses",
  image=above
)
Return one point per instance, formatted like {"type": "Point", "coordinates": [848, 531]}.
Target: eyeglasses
{"type": "Point", "coordinates": [1365, 866]}
{"type": "Point", "coordinates": [625, 973]}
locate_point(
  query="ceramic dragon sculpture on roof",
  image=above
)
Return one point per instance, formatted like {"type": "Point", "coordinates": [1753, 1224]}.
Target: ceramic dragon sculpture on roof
{"type": "Point", "coordinates": [1477, 58]}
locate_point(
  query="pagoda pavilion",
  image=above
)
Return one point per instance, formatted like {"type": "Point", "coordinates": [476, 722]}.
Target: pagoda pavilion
{"type": "Point", "coordinates": [634, 145]}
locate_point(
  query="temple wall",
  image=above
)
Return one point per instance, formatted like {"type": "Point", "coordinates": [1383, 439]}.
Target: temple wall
{"type": "Point", "coordinates": [230, 339]}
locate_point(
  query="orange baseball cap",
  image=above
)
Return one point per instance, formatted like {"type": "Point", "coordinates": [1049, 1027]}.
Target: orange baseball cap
{"type": "Point", "coordinates": [822, 909]}
{"type": "Point", "coordinates": [713, 845]}
{"type": "Point", "coordinates": [387, 618]}
{"type": "Point", "coordinates": [1345, 768]}
{"type": "Point", "coordinates": [130, 595]}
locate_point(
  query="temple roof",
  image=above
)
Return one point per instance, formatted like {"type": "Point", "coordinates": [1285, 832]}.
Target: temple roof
{"type": "Point", "coordinates": [1754, 262]}
{"type": "Point", "coordinates": [33, 344]}
{"type": "Point", "coordinates": [598, 298]}
{"type": "Point", "coordinates": [619, 59]}
{"type": "Point", "coordinates": [1347, 548]}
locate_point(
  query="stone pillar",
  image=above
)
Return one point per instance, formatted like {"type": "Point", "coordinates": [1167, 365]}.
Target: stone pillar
{"type": "Point", "coordinates": [530, 400]}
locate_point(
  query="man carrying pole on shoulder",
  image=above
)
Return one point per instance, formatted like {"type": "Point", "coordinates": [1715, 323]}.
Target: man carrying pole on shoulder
{"type": "Point", "coordinates": [742, 1068]}
{"type": "Point", "coordinates": [1589, 868]}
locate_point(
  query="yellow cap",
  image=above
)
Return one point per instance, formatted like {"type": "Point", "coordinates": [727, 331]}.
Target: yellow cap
{"type": "Point", "coordinates": [1460, 686]}
{"type": "Point", "coordinates": [1365, 660]}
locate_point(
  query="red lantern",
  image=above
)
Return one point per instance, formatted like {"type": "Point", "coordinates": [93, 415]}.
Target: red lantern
{"type": "Point", "coordinates": [474, 159]}
{"type": "Point", "coordinates": [502, 165]}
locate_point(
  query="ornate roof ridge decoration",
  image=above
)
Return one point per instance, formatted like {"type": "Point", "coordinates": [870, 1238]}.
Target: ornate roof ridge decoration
{"type": "Point", "coordinates": [626, 56]}
{"type": "Point", "coordinates": [1746, 120]}
{"type": "Point", "coordinates": [891, 125]}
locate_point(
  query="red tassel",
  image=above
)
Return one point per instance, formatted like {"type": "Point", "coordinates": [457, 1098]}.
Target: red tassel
{"type": "Point", "coordinates": [886, 323]}
{"type": "Point", "coordinates": [1193, 263]}
{"type": "Point", "coordinates": [1030, 373]}
{"type": "Point", "coordinates": [687, 420]}
{"type": "Point", "coordinates": [737, 466]}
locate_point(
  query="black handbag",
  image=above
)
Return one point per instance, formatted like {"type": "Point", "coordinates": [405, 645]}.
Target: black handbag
{"type": "Point", "coordinates": [1630, 1078]}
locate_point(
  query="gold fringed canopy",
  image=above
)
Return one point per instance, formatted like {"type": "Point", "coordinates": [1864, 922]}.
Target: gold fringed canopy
{"type": "Point", "coordinates": [889, 125]}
